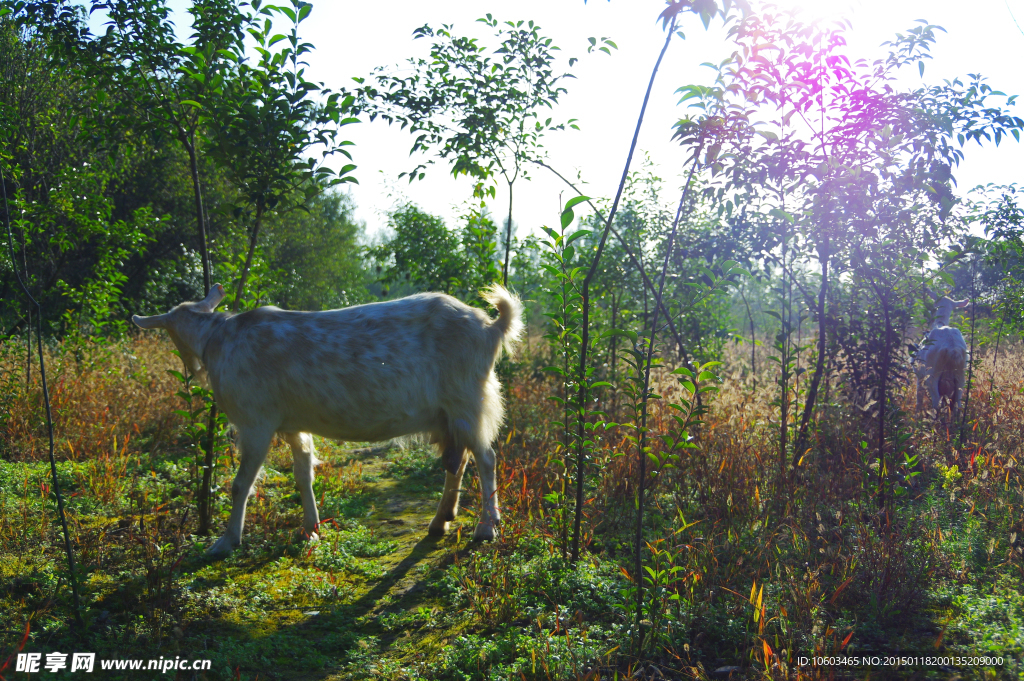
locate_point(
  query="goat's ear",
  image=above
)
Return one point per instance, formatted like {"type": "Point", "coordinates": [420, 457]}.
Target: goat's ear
{"type": "Point", "coordinates": [155, 322]}
{"type": "Point", "coordinates": [212, 300]}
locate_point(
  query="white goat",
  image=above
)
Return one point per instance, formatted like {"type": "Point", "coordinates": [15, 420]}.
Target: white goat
{"type": "Point", "coordinates": [424, 363]}
{"type": "Point", "coordinates": [940, 363]}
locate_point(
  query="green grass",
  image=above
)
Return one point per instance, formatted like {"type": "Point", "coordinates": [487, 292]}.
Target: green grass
{"type": "Point", "coordinates": [375, 597]}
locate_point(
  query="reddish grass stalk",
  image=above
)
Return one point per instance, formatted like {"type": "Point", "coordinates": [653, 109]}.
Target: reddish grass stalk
{"type": "Point", "coordinates": [643, 401]}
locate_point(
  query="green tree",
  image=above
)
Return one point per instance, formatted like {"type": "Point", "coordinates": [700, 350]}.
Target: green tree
{"type": "Point", "coordinates": [169, 85]}
{"type": "Point", "coordinates": [317, 256]}
{"type": "Point", "coordinates": [478, 109]}
{"type": "Point", "coordinates": [74, 237]}
{"type": "Point", "coordinates": [843, 154]}
{"type": "Point", "coordinates": [268, 118]}
{"type": "Point", "coordinates": [422, 252]}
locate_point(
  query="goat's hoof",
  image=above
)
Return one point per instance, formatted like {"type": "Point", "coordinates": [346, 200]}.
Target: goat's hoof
{"type": "Point", "coordinates": [436, 529]}
{"type": "Point", "coordinates": [485, 532]}
{"type": "Point", "coordinates": [222, 548]}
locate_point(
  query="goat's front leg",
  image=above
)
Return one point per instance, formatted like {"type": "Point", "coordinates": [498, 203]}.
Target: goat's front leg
{"type": "Point", "coordinates": [487, 528]}
{"type": "Point", "coordinates": [449, 506]}
{"type": "Point", "coordinates": [254, 444]}
{"type": "Point", "coordinates": [958, 390]}
{"type": "Point", "coordinates": [303, 462]}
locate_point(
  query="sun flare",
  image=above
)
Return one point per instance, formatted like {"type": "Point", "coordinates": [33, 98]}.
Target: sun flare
{"type": "Point", "coordinates": [823, 10]}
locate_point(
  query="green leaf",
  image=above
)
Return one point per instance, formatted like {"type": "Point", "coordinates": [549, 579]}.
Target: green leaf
{"type": "Point", "coordinates": [567, 215]}
{"type": "Point", "coordinates": [190, 102]}
{"type": "Point", "coordinates": [576, 235]}
{"type": "Point", "coordinates": [573, 202]}
{"type": "Point", "coordinates": [631, 335]}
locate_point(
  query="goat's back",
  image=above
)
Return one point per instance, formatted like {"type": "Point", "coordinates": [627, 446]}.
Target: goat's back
{"type": "Point", "coordinates": [367, 372]}
{"type": "Point", "coordinates": [944, 345]}
{"type": "Point", "coordinates": [948, 359]}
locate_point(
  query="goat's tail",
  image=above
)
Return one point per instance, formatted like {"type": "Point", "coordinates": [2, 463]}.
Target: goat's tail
{"type": "Point", "coordinates": [950, 359]}
{"type": "Point", "coordinates": [510, 315]}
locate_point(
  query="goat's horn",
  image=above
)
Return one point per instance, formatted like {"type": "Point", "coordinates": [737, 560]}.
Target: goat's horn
{"type": "Point", "coordinates": [154, 322]}
{"type": "Point", "coordinates": [213, 298]}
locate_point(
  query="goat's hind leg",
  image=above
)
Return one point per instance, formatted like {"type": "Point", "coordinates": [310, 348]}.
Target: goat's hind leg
{"type": "Point", "coordinates": [303, 464]}
{"type": "Point", "coordinates": [920, 389]}
{"type": "Point", "coordinates": [448, 508]}
{"type": "Point", "coordinates": [254, 445]}
{"type": "Point", "coordinates": [487, 528]}
{"type": "Point", "coordinates": [933, 391]}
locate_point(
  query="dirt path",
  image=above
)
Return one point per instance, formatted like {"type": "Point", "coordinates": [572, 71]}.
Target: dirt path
{"type": "Point", "coordinates": [391, 615]}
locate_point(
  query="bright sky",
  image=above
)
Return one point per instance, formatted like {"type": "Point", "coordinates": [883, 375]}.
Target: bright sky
{"type": "Point", "coordinates": [351, 38]}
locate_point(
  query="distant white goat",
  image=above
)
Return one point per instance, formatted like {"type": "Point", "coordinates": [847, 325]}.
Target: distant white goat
{"type": "Point", "coordinates": [940, 363]}
{"type": "Point", "coordinates": [424, 363]}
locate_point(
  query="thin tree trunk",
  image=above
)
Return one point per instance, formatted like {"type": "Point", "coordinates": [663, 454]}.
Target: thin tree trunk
{"type": "Point", "coordinates": [565, 419]}
{"type": "Point", "coordinates": [248, 258]}
{"type": "Point", "coordinates": [648, 284]}
{"type": "Point", "coordinates": [614, 342]}
{"type": "Point", "coordinates": [883, 402]}
{"type": "Point", "coordinates": [819, 369]}
{"type": "Point", "coordinates": [995, 357]}
{"type": "Point", "coordinates": [197, 191]}
{"type": "Point", "coordinates": [206, 493]}
{"type": "Point", "coordinates": [784, 356]}
{"type": "Point", "coordinates": [28, 351]}
{"type": "Point", "coordinates": [585, 330]}
{"type": "Point", "coordinates": [970, 366]}
{"type": "Point", "coordinates": [68, 550]}
{"type": "Point", "coordinates": [28, 328]}
{"type": "Point", "coordinates": [508, 239]}
{"type": "Point", "coordinates": [753, 345]}
{"type": "Point", "coordinates": [204, 501]}
{"type": "Point", "coordinates": [641, 445]}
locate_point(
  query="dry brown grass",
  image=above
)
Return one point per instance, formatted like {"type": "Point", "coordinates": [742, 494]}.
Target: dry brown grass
{"type": "Point", "coordinates": [107, 400]}
{"type": "Point", "coordinates": [817, 538]}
